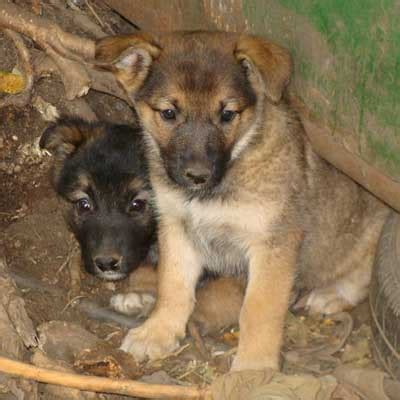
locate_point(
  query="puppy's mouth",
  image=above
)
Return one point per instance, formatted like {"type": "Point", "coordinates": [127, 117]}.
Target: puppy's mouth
{"type": "Point", "coordinates": [193, 190]}
{"type": "Point", "coordinates": [196, 186]}
{"type": "Point", "coordinates": [111, 275]}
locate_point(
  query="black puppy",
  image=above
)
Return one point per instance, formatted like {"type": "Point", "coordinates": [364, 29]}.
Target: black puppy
{"type": "Point", "coordinates": [100, 170]}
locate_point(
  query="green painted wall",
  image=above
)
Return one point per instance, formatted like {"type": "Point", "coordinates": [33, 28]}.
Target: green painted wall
{"type": "Point", "coordinates": [347, 55]}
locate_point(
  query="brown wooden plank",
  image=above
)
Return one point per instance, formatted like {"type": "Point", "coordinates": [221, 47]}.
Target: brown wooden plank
{"type": "Point", "coordinates": [161, 15]}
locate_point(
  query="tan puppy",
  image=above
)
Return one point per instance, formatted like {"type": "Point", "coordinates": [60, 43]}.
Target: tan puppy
{"type": "Point", "coordinates": [238, 188]}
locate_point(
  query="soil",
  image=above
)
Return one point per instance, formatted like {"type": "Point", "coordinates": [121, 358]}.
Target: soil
{"type": "Point", "coordinates": [37, 242]}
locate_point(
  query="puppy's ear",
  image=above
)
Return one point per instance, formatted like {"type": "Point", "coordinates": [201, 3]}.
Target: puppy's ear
{"type": "Point", "coordinates": [64, 137]}
{"type": "Point", "coordinates": [129, 57]}
{"type": "Point", "coordinates": [266, 63]}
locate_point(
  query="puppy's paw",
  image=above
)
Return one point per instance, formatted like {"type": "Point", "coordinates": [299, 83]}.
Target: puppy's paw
{"type": "Point", "coordinates": [326, 301]}
{"type": "Point", "coordinates": [152, 340]}
{"type": "Point", "coordinates": [139, 304]}
{"type": "Point", "coordinates": [241, 363]}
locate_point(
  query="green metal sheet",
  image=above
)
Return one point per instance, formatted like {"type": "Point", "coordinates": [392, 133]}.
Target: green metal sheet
{"type": "Point", "coordinates": [347, 57]}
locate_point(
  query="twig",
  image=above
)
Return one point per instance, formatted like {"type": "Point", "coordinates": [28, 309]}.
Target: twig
{"type": "Point", "coordinates": [20, 99]}
{"type": "Point", "coordinates": [101, 22]}
{"type": "Point", "coordinates": [187, 373]}
{"type": "Point", "coordinates": [198, 341]}
{"type": "Point", "coordinates": [103, 385]}
{"type": "Point", "coordinates": [175, 353]}
{"type": "Point", "coordinates": [37, 7]}
{"type": "Point", "coordinates": [230, 352]}
{"type": "Point", "coordinates": [92, 10]}
{"type": "Point", "coordinates": [79, 18]}
{"type": "Point", "coordinates": [71, 302]}
{"type": "Point", "coordinates": [66, 261]}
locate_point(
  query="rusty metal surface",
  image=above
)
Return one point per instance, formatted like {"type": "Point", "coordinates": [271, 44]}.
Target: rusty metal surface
{"type": "Point", "coordinates": [160, 15]}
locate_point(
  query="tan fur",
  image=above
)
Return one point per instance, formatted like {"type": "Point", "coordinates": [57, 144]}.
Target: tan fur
{"type": "Point", "coordinates": [272, 61]}
{"type": "Point", "coordinates": [112, 49]}
{"type": "Point", "coordinates": [82, 184]}
{"type": "Point", "coordinates": [280, 213]}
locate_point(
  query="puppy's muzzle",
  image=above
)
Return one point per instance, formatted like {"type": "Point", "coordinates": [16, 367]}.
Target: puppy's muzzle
{"type": "Point", "coordinates": [197, 175]}
{"type": "Point", "coordinates": [106, 263]}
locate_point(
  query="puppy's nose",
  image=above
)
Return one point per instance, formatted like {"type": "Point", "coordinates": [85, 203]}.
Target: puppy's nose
{"type": "Point", "coordinates": [108, 263]}
{"type": "Point", "coordinates": [197, 174]}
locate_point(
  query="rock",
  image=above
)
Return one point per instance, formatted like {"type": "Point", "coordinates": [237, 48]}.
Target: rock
{"type": "Point", "coordinates": [72, 345]}
{"type": "Point", "coordinates": [61, 340]}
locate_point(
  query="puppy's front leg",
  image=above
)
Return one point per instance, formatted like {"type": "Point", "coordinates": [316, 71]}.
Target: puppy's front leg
{"type": "Point", "coordinates": [271, 275]}
{"type": "Point", "coordinates": [179, 269]}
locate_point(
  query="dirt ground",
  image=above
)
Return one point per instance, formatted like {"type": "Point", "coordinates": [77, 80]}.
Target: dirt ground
{"type": "Point", "coordinates": [37, 245]}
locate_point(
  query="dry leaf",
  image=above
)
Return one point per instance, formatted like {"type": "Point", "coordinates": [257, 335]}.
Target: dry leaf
{"type": "Point", "coordinates": [11, 83]}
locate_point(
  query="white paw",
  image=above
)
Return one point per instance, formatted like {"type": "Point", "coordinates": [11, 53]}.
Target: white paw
{"type": "Point", "coordinates": [326, 301]}
{"type": "Point", "coordinates": [139, 304]}
{"type": "Point", "coordinates": [151, 340]}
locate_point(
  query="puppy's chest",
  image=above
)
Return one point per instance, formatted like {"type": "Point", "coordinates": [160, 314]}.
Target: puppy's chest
{"type": "Point", "coordinates": [222, 233]}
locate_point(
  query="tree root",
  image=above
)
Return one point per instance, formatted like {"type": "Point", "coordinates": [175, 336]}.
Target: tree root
{"type": "Point", "coordinates": [20, 99]}
{"type": "Point", "coordinates": [70, 56]}
{"type": "Point", "coordinates": [100, 81]}
{"type": "Point", "coordinates": [45, 33]}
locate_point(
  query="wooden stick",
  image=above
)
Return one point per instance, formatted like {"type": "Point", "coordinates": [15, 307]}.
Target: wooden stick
{"type": "Point", "coordinates": [103, 385]}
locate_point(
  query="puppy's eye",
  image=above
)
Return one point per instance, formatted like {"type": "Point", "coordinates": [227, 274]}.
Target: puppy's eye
{"type": "Point", "coordinates": [137, 205]}
{"type": "Point", "coordinates": [228, 115]}
{"type": "Point", "coordinates": [168, 114]}
{"type": "Point", "coordinates": [83, 206]}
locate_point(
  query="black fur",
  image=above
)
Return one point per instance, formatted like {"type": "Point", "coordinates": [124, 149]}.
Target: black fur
{"type": "Point", "coordinates": [106, 169]}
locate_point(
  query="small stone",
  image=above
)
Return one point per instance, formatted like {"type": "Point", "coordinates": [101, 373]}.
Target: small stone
{"type": "Point", "coordinates": [1, 142]}
{"type": "Point", "coordinates": [17, 244]}
{"type": "Point", "coordinates": [17, 169]}
{"type": "Point", "coordinates": [3, 166]}
{"type": "Point", "coordinates": [119, 106]}
{"type": "Point", "coordinates": [15, 138]}
{"type": "Point", "coordinates": [110, 286]}
{"type": "Point", "coordinates": [76, 3]}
